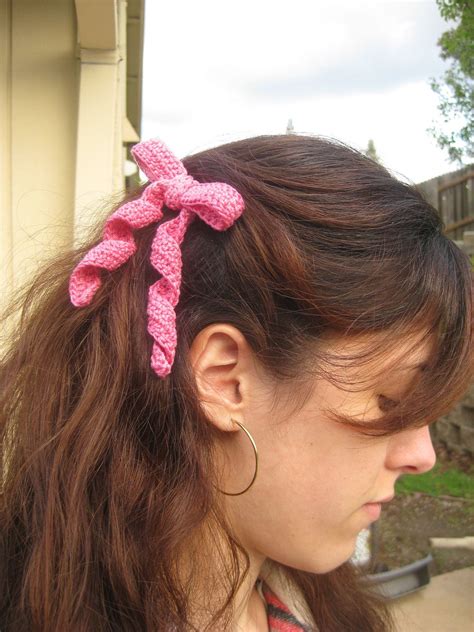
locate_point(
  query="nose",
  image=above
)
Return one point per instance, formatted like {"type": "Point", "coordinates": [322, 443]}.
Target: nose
{"type": "Point", "coordinates": [411, 451]}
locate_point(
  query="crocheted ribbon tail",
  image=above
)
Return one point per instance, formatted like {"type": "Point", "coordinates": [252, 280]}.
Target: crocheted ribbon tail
{"type": "Point", "coordinates": [216, 203]}
{"type": "Point", "coordinates": [116, 247]}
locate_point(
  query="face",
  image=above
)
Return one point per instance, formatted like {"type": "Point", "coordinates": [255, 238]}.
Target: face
{"type": "Point", "coordinates": [306, 506]}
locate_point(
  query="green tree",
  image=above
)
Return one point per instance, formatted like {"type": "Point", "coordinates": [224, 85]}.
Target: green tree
{"type": "Point", "coordinates": [456, 88]}
{"type": "Point", "coordinates": [371, 152]}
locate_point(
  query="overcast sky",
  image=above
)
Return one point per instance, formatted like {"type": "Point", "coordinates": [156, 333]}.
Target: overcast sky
{"type": "Point", "coordinates": [216, 71]}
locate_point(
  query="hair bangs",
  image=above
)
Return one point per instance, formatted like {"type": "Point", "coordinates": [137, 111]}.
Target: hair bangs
{"type": "Point", "coordinates": [441, 324]}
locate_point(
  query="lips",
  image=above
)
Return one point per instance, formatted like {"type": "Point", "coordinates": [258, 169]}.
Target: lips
{"type": "Point", "coordinates": [374, 508]}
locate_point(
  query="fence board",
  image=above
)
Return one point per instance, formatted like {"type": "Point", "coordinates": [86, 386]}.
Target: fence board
{"type": "Point", "coordinates": [452, 194]}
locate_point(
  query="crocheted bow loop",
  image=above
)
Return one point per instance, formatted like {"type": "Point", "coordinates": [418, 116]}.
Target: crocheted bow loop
{"type": "Point", "coordinates": [156, 160]}
{"type": "Point", "coordinates": [216, 203]}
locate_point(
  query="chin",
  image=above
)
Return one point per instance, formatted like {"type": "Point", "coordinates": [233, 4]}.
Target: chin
{"type": "Point", "coordinates": [328, 566]}
{"type": "Point", "coordinates": [327, 561]}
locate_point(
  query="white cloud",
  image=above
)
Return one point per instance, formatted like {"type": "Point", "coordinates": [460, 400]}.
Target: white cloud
{"type": "Point", "coordinates": [218, 71]}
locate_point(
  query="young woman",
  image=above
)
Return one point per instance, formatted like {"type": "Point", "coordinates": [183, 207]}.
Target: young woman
{"type": "Point", "coordinates": [207, 401]}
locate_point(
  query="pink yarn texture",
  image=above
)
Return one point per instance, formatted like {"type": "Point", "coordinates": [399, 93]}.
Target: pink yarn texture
{"type": "Point", "coordinates": [216, 203]}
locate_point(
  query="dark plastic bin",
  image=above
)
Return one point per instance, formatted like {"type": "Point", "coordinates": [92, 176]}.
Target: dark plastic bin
{"type": "Point", "coordinates": [403, 580]}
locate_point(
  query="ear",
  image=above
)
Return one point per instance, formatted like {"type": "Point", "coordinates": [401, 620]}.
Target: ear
{"type": "Point", "coordinates": [222, 362]}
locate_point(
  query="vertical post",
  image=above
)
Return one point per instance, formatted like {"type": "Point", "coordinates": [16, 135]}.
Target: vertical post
{"type": "Point", "coordinates": [6, 237]}
{"type": "Point", "coordinates": [99, 171]}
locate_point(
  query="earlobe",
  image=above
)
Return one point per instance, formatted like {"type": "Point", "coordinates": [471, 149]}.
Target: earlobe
{"type": "Point", "coordinates": [218, 417]}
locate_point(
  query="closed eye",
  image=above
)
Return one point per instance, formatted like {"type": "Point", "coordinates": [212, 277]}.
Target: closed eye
{"type": "Point", "coordinates": [385, 403]}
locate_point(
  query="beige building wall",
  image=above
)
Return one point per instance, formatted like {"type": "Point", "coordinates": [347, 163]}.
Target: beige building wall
{"type": "Point", "coordinates": [63, 122]}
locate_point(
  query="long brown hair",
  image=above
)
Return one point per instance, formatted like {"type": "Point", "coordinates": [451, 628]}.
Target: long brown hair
{"type": "Point", "coordinates": [107, 470]}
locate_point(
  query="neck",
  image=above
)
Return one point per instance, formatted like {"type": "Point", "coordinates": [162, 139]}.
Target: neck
{"type": "Point", "coordinates": [250, 608]}
{"type": "Point", "coordinates": [208, 593]}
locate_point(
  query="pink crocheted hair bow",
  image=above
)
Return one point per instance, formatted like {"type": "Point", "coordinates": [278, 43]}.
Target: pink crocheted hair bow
{"type": "Point", "coordinates": [217, 203]}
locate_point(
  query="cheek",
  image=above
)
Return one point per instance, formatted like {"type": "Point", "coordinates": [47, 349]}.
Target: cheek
{"type": "Point", "coordinates": [318, 482]}
{"type": "Point", "coordinates": [306, 482]}
{"type": "Point", "coordinates": [319, 459]}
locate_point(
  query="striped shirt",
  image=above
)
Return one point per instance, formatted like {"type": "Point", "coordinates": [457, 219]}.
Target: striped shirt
{"type": "Point", "coordinates": [280, 618]}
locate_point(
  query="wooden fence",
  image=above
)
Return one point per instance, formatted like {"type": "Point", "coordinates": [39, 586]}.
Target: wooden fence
{"type": "Point", "coordinates": [453, 195]}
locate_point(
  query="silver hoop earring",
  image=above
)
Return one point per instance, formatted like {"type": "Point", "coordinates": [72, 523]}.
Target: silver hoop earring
{"type": "Point", "coordinates": [256, 462]}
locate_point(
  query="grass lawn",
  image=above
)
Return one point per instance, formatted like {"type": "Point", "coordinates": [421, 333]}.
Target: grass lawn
{"type": "Point", "coordinates": [438, 482]}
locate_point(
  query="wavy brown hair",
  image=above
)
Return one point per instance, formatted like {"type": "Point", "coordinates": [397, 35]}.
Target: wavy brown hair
{"type": "Point", "coordinates": [108, 471]}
